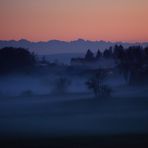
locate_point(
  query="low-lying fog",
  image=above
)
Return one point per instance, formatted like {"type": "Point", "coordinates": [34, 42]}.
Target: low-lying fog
{"type": "Point", "coordinates": [17, 85]}
{"type": "Point", "coordinates": [29, 105]}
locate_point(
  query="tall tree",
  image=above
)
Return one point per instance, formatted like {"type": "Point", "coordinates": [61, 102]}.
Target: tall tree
{"type": "Point", "coordinates": [89, 55]}
{"type": "Point", "coordinates": [99, 54]}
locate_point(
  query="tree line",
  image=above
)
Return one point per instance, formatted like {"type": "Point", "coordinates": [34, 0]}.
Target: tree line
{"type": "Point", "coordinates": [16, 60]}
{"type": "Point", "coordinates": [132, 62]}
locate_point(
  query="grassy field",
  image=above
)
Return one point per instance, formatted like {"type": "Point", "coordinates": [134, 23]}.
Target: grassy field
{"type": "Point", "coordinates": [73, 120]}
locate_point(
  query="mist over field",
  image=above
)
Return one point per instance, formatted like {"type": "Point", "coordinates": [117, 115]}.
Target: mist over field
{"type": "Point", "coordinates": [30, 107]}
{"type": "Point", "coordinates": [71, 95]}
{"type": "Point", "coordinates": [72, 114]}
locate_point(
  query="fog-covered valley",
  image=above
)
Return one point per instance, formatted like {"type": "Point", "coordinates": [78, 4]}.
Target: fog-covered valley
{"type": "Point", "coordinates": [89, 96]}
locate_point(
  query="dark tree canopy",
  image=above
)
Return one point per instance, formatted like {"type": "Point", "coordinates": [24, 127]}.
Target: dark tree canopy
{"type": "Point", "coordinates": [15, 59]}
{"type": "Point", "coordinates": [133, 63]}
{"type": "Point", "coordinates": [119, 51]}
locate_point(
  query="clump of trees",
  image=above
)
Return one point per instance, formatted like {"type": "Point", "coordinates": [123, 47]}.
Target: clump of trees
{"type": "Point", "coordinates": [107, 53]}
{"type": "Point", "coordinates": [16, 60]}
{"type": "Point", "coordinates": [96, 84]}
{"type": "Point", "coordinates": [132, 63]}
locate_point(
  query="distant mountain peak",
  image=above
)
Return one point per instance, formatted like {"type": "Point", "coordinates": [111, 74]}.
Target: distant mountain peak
{"type": "Point", "coordinates": [23, 40]}
{"type": "Point", "coordinates": [59, 46]}
{"type": "Point", "coordinates": [80, 40]}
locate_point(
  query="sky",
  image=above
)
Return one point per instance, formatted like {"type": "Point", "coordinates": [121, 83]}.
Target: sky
{"type": "Point", "coordinates": [42, 20]}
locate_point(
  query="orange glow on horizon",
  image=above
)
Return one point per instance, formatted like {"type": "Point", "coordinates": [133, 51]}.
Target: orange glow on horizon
{"type": "Point", "coordinates": [42, 20]}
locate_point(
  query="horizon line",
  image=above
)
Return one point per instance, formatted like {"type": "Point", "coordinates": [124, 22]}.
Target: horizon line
{"type": "Point", "coordinates": [77, 39]}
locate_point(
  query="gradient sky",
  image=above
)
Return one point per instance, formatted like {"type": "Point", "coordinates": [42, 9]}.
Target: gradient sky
{"type": "Point", "coordinates": [113, 20]}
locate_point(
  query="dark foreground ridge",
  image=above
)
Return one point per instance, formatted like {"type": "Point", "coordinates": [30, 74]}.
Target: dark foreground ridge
{"type": "Point", "coordinates": [104, 141]}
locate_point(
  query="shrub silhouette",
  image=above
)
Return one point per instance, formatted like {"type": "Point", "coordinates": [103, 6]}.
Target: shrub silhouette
{"type": "Point", "coordinates": [96, 84]}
